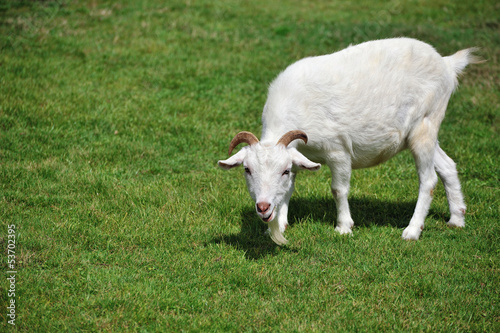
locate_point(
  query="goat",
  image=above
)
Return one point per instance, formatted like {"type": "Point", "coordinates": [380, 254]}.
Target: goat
{"type": "Point", "coordinates": [355, 108]}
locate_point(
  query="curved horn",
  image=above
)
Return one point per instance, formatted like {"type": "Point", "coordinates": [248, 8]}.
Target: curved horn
{"type": "Point", "coordinates": [245, 137]}
{"type": "Point", "coordinates": [292, 135]}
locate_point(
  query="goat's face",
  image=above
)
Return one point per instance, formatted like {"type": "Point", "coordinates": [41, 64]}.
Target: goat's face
{"type": "Point", "coordinates": [269, 169]}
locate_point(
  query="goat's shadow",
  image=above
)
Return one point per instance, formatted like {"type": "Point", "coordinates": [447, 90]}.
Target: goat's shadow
{"type": "Point", "coordinates": [365, 212]}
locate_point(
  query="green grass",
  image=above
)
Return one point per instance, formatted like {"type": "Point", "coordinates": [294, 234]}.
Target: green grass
{"type": "Point", "coordinates": [112, 118]}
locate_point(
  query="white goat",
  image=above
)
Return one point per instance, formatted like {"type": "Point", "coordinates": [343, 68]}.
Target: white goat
{"type": "Point", "coordinates": [359, 107]}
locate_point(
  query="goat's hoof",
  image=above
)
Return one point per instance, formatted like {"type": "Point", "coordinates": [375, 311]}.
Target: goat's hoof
{"type": "Point", "coordinates": [456, 222]}
{"type": "Point", "coordinates": [343, 230]}
{"type": "Point", "coordinates": [411, 233]}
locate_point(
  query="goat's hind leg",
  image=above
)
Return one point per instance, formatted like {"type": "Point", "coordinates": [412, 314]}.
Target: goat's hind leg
{"type": "Point", "coordinates": [424, 160]}
{"type": "Point", "coordinates": [447, 171]}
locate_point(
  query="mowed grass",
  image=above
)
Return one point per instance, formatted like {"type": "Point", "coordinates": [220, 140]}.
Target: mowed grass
{"type": "Point", "coordinates": [112, 118]}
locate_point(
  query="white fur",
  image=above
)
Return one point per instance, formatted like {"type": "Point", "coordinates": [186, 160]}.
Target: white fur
{"type": "Point", "coordinates": [359, 107]}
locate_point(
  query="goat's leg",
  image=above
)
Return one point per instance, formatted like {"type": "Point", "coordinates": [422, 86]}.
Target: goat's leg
{"type": "Point", "coordinates": [282, 210]}
{"type": "Point", "coordinates": [447, 171]}
{"type": "Point", "coordinates": [278, 225]}
{"type": "Point", "coordinates": [424, 160]}
{"type": "Point", "coordinates": [341, 177]}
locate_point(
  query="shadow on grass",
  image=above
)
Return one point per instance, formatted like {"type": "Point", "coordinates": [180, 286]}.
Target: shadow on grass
{"type": "Point", "coordinates": [365, 212]}
{"type": "Point", "coordinates": [252, 239]}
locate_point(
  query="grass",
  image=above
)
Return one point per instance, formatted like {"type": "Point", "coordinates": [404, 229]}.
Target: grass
{"type": "Point", "coordinates": [112, 118]}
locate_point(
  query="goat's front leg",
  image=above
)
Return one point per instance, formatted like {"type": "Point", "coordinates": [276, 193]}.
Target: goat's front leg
{"type": "Point", "coordinates": [278, 226]}
{"type": "Point", "coordinates": [341, 177]}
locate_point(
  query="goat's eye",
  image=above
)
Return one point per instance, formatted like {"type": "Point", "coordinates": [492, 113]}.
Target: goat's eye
{"type": "Point", "coordinates": [286, 172]}
{"type": "Point", "coordinates": [247, 170]}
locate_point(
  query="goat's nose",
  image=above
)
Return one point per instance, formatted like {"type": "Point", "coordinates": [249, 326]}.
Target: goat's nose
{"type": "Point", "coordinates": [263, 207]}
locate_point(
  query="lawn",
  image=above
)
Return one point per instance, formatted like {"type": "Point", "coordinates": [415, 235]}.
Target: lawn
{"type": "Point", "coordinates": [113, 115]}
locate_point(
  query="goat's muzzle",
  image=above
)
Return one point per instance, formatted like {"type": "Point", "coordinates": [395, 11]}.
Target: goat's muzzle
{"type": "Point", "coordinates": [264, 211]}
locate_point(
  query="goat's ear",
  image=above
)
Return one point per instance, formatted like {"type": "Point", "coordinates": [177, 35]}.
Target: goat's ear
{"type": "Point", "coordinates": [301, 161]}
{"type": "Point", "coordinates": [234, 160]}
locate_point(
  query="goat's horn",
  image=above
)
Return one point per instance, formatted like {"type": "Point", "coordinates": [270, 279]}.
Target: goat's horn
{"type": "Point", "coordinates": [292, 135]}
{"type": "Point", "coordinates": [245, 137]}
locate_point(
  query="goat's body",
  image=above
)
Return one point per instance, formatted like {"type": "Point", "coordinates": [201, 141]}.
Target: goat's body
{"type": "Point", "coordinates": [366, 100]}
{"type": "Point", "coordinates": [359, 107]}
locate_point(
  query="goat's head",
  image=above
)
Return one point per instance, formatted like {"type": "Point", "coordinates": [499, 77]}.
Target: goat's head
{"type": "Point", "coordinates": [269, 168]}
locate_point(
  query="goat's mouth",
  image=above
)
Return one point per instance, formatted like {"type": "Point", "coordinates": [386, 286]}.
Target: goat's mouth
{"type": "Point", "coordinates": [269, 218]}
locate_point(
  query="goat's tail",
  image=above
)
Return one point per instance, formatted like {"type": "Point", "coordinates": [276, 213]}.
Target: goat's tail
{"type": "Point", "coordinates": [458, 61]}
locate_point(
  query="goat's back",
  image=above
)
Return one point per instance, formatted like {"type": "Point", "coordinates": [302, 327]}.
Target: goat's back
{"type": "Point", "coordinates": [365, 98]}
